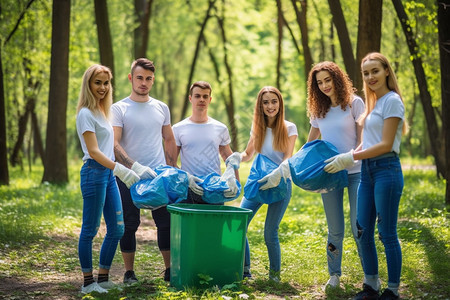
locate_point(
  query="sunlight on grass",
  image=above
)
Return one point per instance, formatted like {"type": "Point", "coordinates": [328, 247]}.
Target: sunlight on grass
{"type": "Point", "coordinates": [39, 225]}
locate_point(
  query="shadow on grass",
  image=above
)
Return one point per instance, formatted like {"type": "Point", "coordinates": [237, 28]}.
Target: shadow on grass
{"type": "Point", "coordinates": [437, 256]}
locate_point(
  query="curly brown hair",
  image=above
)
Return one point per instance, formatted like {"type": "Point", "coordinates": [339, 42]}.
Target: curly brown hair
{"type": "Point", "coordinates": [318, 103]}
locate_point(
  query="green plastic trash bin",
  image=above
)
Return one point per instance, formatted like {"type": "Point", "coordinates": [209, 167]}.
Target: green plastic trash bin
{"type": "Point", "coordinates": [206, 241]}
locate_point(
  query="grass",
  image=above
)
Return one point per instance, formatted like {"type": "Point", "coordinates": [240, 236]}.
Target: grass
{"type": "Point", "coordinates": [39, 226]}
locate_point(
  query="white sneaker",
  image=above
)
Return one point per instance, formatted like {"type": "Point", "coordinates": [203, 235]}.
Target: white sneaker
{"type": "Point", "coordinates": [333, 281]}
{"type": "Point", "coordinates": [107, 285]}
{"type": "Point", "coordinates": [93, 287]}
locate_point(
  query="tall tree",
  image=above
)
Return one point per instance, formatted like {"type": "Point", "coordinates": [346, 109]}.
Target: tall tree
{"type": "Point", "coordinates": [4, 172]}
{"type": "Point", "coordinates": [444, 52]}
{"type": "Point", "coordinates": [280, 24]}
{"type": "Point", "coordinates": [55, 162]}
{"type": "Point", "coordinates": [369, 32]}
{"type": "Point", "coordinates": [143, 11]}
{"type": "Point", "coordinates": [300, 7]}
{"type": "Point", "coordinates": [344, 38]}
{"type": "Point", "coordinates": [437, 144]}
{"type": "Point", "coordinates": [196, 53]}
{"type": "Point", "coordinates": [104, 34]}
{"type": "Point", "coordinates": [229, 105]}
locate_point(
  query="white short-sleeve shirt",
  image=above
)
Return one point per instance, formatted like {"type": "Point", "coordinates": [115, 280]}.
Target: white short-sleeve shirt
{"type": "Point", "coordinates": [142, 124]}
{"type": "Point", "coordinates": [339, 128]}
{"type": "Point", "coordinates": [388, 106]}
{"type": "Point", "coordinates": [199, 142]}
{"type": "Point", "coordinates": [100, 126]}
{"type": "Point", "coordinates": [267, 147]}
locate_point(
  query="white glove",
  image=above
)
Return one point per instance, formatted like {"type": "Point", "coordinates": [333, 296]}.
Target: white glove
{"type": "Point", "coordinates": [193, 184]}
{"type": "Point", "coordinates": [339, 162]}
{"type": "Point", "coordinates": [142, 171]}
{"type": "Point", "coordinates": [230, 177]}
{"type": "Point", "coordinates": [128, 176]}
{"type": "Point", "coordinates": [273, 178]}
{"type": "Point", "coordinates": [234, 160]}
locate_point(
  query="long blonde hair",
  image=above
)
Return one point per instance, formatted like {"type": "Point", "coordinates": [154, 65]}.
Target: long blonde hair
{"type": "Point", "coordinates": [391, 82]}
{"type": "Point", "coordinates": [260, 123]}
{"type": "Point", "coordinates": [87, 99]}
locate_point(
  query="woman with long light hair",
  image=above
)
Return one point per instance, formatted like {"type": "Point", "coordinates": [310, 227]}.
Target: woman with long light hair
{"type": "Point", "coordinates": [274, 137]}
{"type": "Point", "coordinates": [97, 181]}
{"type": "Point", "coordinates": [381, 184]}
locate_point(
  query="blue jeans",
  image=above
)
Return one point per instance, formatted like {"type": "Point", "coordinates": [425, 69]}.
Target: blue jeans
{"type": "Point", "coordinates": [334, 212]}
{"type": "Point", "coordinates": [100, 194]}
{"type": "Point", "coordinates": [275, 213]}
{"type": "Point", "coordinates": [379, 197]}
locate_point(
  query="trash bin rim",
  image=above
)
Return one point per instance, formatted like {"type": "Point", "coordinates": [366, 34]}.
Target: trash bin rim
{"type": "Point", "coordinates": [187, 208]}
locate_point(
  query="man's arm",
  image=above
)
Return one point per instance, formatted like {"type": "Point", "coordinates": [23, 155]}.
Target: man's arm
{"type": "Point", "coordinates": [121, 155]}
{"type": "Point", "coordinates": [170, 147]}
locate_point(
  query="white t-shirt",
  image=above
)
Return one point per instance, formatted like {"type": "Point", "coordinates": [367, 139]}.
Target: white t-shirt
{"type": "Point", "coordinates": [142, 124]}
{"type": "Point", "coordinates": [339, 128]}
{"type": "Point", "coordinates": [199, 144]}
{"type": "Point", "coordinates": [388, 106]}
{"type": "Point", "coordinates": [267, 147]}
{"type": "Point", "coordinates": [98, 124]}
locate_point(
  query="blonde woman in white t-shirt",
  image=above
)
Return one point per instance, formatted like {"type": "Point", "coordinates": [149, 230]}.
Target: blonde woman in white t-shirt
{"type": "Point", "coordinates": [97, 177]}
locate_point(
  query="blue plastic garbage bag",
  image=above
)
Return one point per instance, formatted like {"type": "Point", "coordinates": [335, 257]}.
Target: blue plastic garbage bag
{"type": "Point", "coordinates": [262, 166]}
{"type": "Point", "coordinates": [213, 189]}
{"type": "Point", "coordinates": [170, 186]}
{"type": "Point", "coordinates": [307, 168]}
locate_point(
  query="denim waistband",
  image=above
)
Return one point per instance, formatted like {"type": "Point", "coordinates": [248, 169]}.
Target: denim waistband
{"type": "Point", "coordinates": [92, 163]}
{"type": "Point", "coordinates": [386, 155]}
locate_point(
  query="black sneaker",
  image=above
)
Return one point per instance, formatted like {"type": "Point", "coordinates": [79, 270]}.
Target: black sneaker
{"type": "Point", "coordinates": [129, 277]}
{"type": "Point", "coordinates": [388, 295]}
{"type": "Point", "coordinates": [167, 274]}
{"type": "Point", "coordinates": [368, 293]}
{"type": "Point", "coordinates": [246, 275]}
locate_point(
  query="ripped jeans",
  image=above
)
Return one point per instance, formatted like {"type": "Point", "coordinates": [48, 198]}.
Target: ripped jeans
{"type": "Point", "coordinates": [378, 198]}
{"type": "Point", "coordinates": [100, 194]}
{"type": "Point", "coordinates": [334, 212]}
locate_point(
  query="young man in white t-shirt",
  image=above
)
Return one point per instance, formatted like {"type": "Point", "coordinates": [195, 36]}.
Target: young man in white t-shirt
{"type": "Point", "coordinates": [141, 127]}
{"type": "Point", "coordinates": [201, 140]}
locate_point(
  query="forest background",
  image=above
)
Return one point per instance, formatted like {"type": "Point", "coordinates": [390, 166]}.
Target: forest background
{"type": "Point", "coordinates": [238, 46]}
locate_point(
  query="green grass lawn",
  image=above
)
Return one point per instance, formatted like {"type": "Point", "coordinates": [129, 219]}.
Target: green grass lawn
{"type": "Point", "coordinates": [39, 226]}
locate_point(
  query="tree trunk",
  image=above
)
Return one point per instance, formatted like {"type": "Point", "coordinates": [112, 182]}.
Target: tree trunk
{"type": "Point", "coordinates": [55, 162]}
{"type": "Point", "coordinates": [194, 60]}
{"type": "Point", "coordinates": [37, 138]}
{"type": "Point", "coordinates": [142, 32]}
{"type": "Point", "coordinates": [344, 38]}
{"type": "Point", "coordinates": [302, 23]}
{"type": "Point", "coordinates": [4, 172]}
{"type": "Point", "coordinates": [443, 17]}
{"type": "Point", "coordinates": [369, 33]}
{"type": "Point", "coordinates": [23, 122]}
{"type": "Point", "coordinates": [437, 146]}
{"type": "Point", "coordinates": [280, 24]}
{"type": "Point", "coordinates": [104, 34]}
{"type": "Point", "coordinates": [229, 105]}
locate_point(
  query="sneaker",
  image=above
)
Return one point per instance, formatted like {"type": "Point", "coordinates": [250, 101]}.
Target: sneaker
{"type": "Point", "coordinates": [167, 274]}
{"type": "Point", "coordinates": [129, 277]}
{"type": "Point", "coordinates": [333, 282]}
{"type": "Point", "coordinates": [93, 287]}
{"type": "Point", "coordinates": [388, 295]}
{"type": "Point", "coordinates": [368, 293]}
{"type": "Point", "coordinates": [247, 275]}
{"type": "Point", "coordinates": [274, 276]}
{"type": "Point", "coordinates": [107, 285]}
